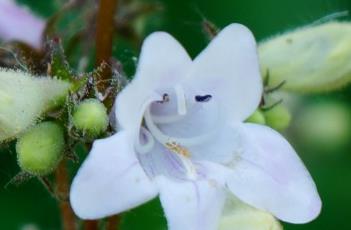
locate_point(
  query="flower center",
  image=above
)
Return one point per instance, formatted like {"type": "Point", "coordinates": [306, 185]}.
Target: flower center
{"type": "Point", "coordinates": [177, 145]}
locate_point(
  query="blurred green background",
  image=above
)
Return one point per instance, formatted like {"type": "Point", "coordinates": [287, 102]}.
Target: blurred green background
{"type": "Point", "coordinates": [330, 167]}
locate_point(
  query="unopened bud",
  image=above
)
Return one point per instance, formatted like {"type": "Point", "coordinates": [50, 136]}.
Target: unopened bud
{"type": "Point", "coordinates": [309, 59]}
{"type": "Point", "coordinates": [257, 117]}
{"type": "Point", "coordinates": [240, 216]}
{"type": "Point", "coordinates": [40, 149]}
{"type": "Point", "coordinates": [90, 117]}
{"type": "Point", "coordinates": [278, 117]}
{"type": "Point", "coordinates": [24, 98]}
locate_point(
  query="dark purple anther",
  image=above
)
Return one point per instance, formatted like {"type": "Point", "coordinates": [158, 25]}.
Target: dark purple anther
{"type": "Point", "coordinates": [204, 98]}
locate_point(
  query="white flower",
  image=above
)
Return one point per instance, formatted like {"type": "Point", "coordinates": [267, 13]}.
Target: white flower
{"type": "Point", "coordinates": [182, 137]}
{"type": "Point", "coordinates": [18, 23]}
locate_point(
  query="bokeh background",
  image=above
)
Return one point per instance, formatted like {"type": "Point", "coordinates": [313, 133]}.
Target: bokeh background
{"type": "Point", "coordinates": [323, 142]}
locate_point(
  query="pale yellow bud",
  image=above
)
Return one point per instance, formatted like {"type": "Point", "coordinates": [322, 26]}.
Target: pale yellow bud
{"type": "Point", "coordinates": [240, 216]}
{"type": "Point", "coordinates": [310, 59]}
{"type": "Point", "coordinates": [24, 98]}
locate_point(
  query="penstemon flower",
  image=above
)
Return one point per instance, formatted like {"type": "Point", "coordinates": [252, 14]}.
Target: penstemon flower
{"type": "Point", "coordinates": [182, 137]}
{"type": "Point", "coordinates": [18, 23]}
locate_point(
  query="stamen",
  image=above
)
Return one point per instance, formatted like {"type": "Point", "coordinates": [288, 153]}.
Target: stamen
{"type": "Point", "coordinates": [177, 148]}
{"type": "Point", "coordinates": [165, 97]}
{"type": "Point", "coordinates": [204, 98]}
{"type": "Point", "coordinates": [163, 138]}
{"type": "Point", "coordinates": [189, 167]}
{"type": "Point", "coordinates": [181, 103]}
{"type": "Point", "coordinates": [150, 142]}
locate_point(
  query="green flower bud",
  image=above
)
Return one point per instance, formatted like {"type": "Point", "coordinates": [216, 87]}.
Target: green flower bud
{"type": "Point", "coordinates": [309, 59]}
{"type": "Point", "coordinates": [23, 99]}
{"type": "Point", "coordinates": [90, 117]}
{"type": "Point", "coordinates": [278, 117]}
{"type": "Point", "coordinates": [40, 149]}
{"type": "Point", "coordinates": [238, 215]}
{"type": "Point", "coordinates": [324, 126]}
{"type": "Point", "coordinates": [257, 117]}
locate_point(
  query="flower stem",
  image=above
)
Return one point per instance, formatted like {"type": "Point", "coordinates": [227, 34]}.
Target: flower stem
{"type": "Point", "coordinates": [113, 222]}
{"type": "Point", "coordinates": [105, 28]}
{"type": "Point", "coordinates": [104, 36]}
{"type": "Point", "coordinates": [91, 225]}
{"type": "Point", "coordinates": [67, 215]}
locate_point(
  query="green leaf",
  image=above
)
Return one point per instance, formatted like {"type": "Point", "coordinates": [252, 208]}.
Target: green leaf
{"type": "Point", "coordinates": [311, 59]}
{"type": "Point", "coordinates": [59, 65]}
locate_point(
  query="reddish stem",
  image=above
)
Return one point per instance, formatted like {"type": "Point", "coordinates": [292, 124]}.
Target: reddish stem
{"type": "Point", "coordinates": [113, 222]}
{"type": "Point", "coordinates": [91, 225]}
{"type": "Point", "coordinates": [105, 28]}
{"type": "Point", "coordinates": [104, 38]}
{"type": "Point", "coordinates": [67, 215]}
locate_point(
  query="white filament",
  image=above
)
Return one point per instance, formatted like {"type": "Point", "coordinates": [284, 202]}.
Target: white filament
{"type": "Point", "coordinates": [164, 138]}
{"type": "Point", "coordinates": [189, 167]}
{"type": "Point", "coordinates": [181, 103]}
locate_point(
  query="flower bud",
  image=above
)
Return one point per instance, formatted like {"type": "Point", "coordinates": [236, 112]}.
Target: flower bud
{"type": "Point", "coordinates": [23, 99]}
{"type": "Point", "coordinates": [278, 117]}
{"type": "Point", "coordinates": [40, 149]}
{"type": "Point", "coordinates": [238, 215]}
{"type": "Point", "coordinates": [257, 117]}
{"type": "Point", "coordinates": [90, 117]}
{"type": "Point", "coordinates": [309, 59]}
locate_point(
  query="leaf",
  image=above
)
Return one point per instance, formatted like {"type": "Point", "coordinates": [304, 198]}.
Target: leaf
{"type": "Point", "coordinates": [59, 65]}
{"type": "Point", "coordinates": [310, 59]}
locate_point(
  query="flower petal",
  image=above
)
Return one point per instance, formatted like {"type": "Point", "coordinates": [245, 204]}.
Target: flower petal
{"type": "Point", "coordinates": [130, 107]}
{"type": "Point", "coordinates": [269, 175]}
{"type": "Point", "coordinates": [161, 161]}
{"type": "Point", "coordinates": [194, 205]}
{"type": "Point", "coordinates": [110, 180]}
{"type": "Point", "coordinates": [163, 62]}
{"type": "Point", "coordinates": [228, 70]}
{"type": "Point", "coordinates": [200, 118]}
{"type": "Point", "coordinates": [17, 23]}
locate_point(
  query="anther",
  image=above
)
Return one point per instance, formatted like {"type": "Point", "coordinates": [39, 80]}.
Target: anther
{"type": "Point", "coordinates": [165, 98]}
{"type": "Point", "coordinates": [204, 98]}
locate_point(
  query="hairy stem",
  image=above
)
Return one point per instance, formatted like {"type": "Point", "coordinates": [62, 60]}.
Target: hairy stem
{"type": "Point", "coordinates": [104, 37]}
{"type": "Point", "coordinates": [67, 215]}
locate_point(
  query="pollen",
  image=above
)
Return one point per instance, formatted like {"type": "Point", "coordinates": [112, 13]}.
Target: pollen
{"type": "Point", "coordinates": [177, 148]}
